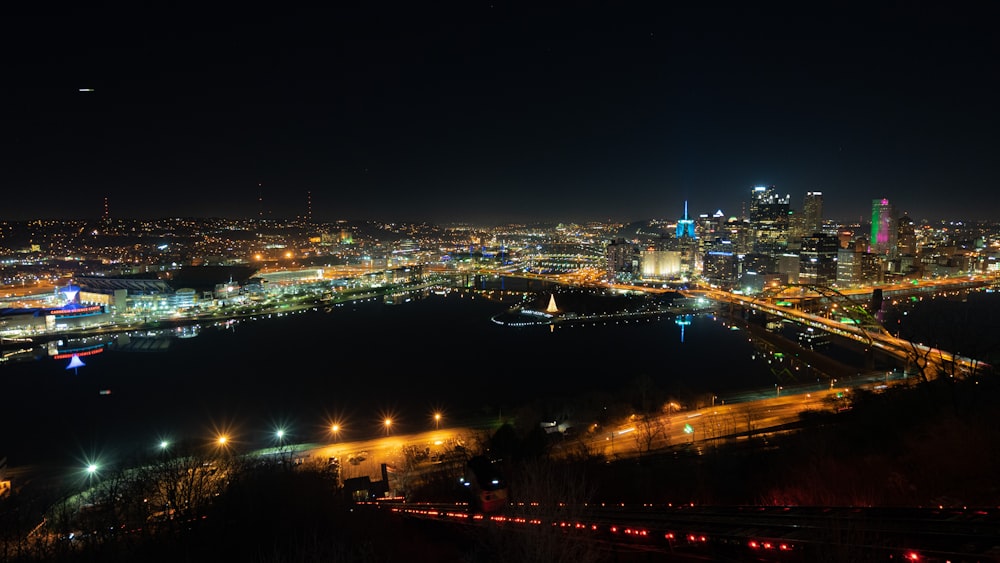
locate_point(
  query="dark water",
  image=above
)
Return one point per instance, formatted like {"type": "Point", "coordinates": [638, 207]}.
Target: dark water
{"type": "Point", "coordinates": [355, 364]}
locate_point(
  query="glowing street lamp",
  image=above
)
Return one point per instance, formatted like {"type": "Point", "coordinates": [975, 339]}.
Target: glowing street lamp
{"type": "Point", "coordinates": [92, 469]}
{"type": "Point", "coordinates": [164, 445]}
{"type": "Point", "coordinates": [388, 424]}
{"type": "Point", "coordinates": [437, 421]}
{"type": "Point", "coordinates": [335, 429]}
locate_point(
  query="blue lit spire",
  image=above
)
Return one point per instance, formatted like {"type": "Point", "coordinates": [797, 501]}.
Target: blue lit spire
{"type": "Point", "coordinates": [685, 226]}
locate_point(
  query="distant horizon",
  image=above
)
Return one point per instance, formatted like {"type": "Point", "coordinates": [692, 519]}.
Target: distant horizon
{"type": "Point", "coordinates": [491, 113]}
{"type": "Point", "coordinates": [861, 218]}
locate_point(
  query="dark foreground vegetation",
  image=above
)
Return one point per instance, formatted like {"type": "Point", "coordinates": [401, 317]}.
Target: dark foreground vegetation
{"type": "Point", "coordinates": [932, 444]}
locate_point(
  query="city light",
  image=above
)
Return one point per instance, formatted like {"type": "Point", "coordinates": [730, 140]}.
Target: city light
{"type": "Point", "coordinates": [388, 423]}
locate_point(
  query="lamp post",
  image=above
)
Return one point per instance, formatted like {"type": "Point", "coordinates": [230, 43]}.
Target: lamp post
{"type": "Point", "coordinates": [388, 424]}
{"type": "Point", "coordinates": [335, 429]}
{"type": "Point", "coordinates": [437, 421]}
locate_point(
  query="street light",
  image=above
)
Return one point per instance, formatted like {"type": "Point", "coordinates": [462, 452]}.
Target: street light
{"type": "Point", "coordinates": [388, 423]}
{"type": "Point", "coordinates": [437, 421]}
{"type": "Point", "coordinates": [91, 469]}
{"type": "Point", "coordinates": [335, 429]}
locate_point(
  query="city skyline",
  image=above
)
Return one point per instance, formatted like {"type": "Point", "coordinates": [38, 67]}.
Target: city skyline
{"type": "Point", "coordinates": [487, 113]}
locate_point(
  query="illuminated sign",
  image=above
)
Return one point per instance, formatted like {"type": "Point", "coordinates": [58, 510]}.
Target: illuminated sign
{"type": "Point", "coordinates": [80, 311]}
{"type": "Point", "coordinates": [80, 353]}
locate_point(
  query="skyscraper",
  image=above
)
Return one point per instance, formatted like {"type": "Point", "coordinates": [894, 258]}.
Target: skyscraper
{"type": "Point", "coordinates": [906, 236]}
{"type": "Point", "coordinates": [768, 220]}
{"type": "Point", "coordinates": [685, 226]}
{"type": "Point", "coordinates": [812, 211]}
{"type": "Point", "coordinates": [883, 232]}
{"type": "Point", "coordinates": [685, 241]}
{"type": "Point", "coordinates": [818, 259]}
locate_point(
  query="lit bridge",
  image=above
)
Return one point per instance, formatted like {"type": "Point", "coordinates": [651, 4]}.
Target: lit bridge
{"type": "Point", "coordinates": [779, 300]}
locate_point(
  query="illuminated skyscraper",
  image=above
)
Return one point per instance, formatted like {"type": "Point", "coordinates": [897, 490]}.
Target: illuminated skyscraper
{"type": "Point", "coordinates": [685, 226]}
{"type": "Point", "coordinates": [768, 220]}
{"type": "Point", "coordinates": [883, 232]}
{"type": "Point", "coordinates": [687, 243]}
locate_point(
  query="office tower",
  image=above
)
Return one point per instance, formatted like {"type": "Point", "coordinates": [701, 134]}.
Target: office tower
{"type": "Point", "coordinates": [685, 226]}
{"type": "Point", "coordinates": [883, 231]}
{"type": "Point", "coordinates": [713, 233]}
{"type": "Point", "coordinates": [622, 259]}
{"type": "Point", "coordinates": [720, 268]}
{"type": "Point", "coordinates": [818, 259]}
{"type": "Point", "coordinates": [768, 220]}
{"type": "Point", "coordinates": [687, 243]}
{"type": "Point", "coordinates": [848, 267]}
{"type": "Point", "coordinates": [906, 236]}
{"type": "Point", "coordinates": [812, 213]}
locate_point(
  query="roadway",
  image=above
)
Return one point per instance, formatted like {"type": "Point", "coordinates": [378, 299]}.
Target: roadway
{"type": "Point", "coordinates": [932, 361]}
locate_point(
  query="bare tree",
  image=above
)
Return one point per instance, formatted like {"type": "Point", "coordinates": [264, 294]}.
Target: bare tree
{"type": "Point", "coordinates": [548, 493]}
{"type": "Point", "coordinates": [649, 428]}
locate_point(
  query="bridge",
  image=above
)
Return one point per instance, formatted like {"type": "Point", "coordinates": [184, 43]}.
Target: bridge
{"type": "Point", "coordinates": [793, 301]}
{"type": "Point", "coordinates": [857, 323]}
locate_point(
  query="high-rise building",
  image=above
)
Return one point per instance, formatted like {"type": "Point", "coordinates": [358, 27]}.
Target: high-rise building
{"type": "Point", "coordinates": [720, 268]}
{"type": "Point", "coordinates": [848, 267]}
{"type": "Point", "coordinates": [906, 236]}
{"type": "Point", "coordinates": [818, 259]}
{"type": "Point", "coordinates": [687, 244]}
{"type": "Point", "coordinates": [788, 267]}
{"type": "Point", "coordinates": [812, 213]}
{"type": "Point", "coordinates": [622, 259]}
{"type": "Point", "coordinates": [768, 220]}
{"type": "Point", "coordinates": [685, 226]}
{"type": "Point", "coordinates": [883, 231]}
{"type": "Point", "coordinates": [857, 268]}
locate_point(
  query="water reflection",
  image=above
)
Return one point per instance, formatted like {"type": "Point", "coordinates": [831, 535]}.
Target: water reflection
{"type": "Point", "coordinates": [62, 349]}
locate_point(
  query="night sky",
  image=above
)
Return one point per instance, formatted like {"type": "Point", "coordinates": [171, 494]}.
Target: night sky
{"type": "Point", "coordinates": [495, 112]}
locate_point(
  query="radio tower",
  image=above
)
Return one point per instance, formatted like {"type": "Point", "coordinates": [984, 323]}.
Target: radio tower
{"type": "Point", "coordinates": [309, 207]}
{"type": "Point", "coordinates": [260, 201]}
{"type": "Point", "coordinates": [107, 211]}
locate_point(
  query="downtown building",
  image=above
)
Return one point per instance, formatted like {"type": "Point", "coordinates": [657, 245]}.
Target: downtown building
{"type": "Point", "coordinates": [883, 229]}
{"type": "Point", "coordinates": [818, 260]}
{"type": "Point", "coordinates": [769, 220]}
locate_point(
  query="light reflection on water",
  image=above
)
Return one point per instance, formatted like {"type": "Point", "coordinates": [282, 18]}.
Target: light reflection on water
{"type": "Point", "coordinates": [352, 363]}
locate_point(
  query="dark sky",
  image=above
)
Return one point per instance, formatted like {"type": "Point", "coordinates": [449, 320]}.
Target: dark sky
{"type": "Point", "coordinates": [479, 111]}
